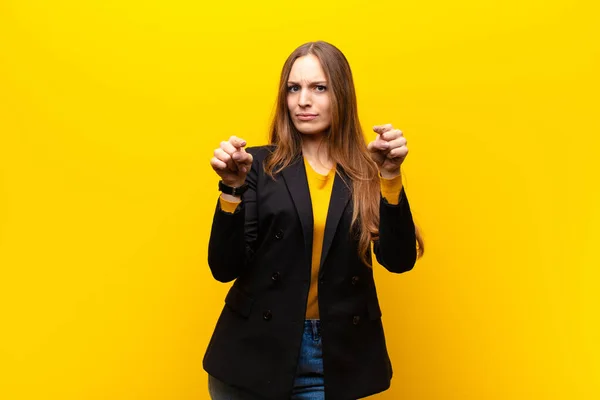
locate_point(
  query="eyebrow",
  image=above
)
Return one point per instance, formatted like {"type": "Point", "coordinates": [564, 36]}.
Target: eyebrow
{"type": "Point", "coordinates": [312, 83]}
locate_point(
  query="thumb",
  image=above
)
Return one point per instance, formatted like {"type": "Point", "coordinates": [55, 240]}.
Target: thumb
{"type": "Point", "coordinates": [239, 153]}
{"type": "Point", "coordinates": [371, 147]}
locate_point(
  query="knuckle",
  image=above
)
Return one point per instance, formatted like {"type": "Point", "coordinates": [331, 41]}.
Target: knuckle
{"type": "Point", "coordinates": [216, 164]}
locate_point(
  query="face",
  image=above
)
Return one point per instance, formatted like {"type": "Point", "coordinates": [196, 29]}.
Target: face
{"type": "Point", "coordinates": [308, 96]}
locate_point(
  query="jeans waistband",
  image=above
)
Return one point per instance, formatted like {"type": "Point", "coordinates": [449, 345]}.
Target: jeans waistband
{"type": "Point", "coordinates": [313, 327]}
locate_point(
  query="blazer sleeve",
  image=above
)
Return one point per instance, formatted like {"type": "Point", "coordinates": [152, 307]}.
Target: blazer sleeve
{"type": "Point", "coordinates": [396, 248]}
{"type": "Point", "coordinates": [233, 235]}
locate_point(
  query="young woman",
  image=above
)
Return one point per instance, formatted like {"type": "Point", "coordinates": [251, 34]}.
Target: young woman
{"type": "Point", "coordinates": [294, 227]}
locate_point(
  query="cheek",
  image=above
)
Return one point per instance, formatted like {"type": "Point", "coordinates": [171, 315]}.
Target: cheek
{"type": "Point", "coordinates": [327, 108]}
{"type": "Point", "coordinates": [289, 103]}
{"type": "Point", "coordinates": [326, 105]}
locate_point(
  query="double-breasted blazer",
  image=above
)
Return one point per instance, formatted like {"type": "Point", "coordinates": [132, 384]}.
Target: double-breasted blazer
{"type": "Point", "coordinates": [266, 247]}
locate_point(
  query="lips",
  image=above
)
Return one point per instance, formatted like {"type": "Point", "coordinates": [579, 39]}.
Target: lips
{"type": "Point", "coordinates": [306, 116]}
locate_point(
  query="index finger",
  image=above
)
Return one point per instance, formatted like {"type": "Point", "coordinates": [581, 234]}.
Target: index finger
{"type": "Point", "coordinates": [382, 128]}
{"type": "Point", "coordinates": [237, 142]}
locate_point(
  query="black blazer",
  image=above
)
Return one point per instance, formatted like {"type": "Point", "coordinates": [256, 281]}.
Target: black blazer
{"type": "Point", "coordinates": [266, 247]}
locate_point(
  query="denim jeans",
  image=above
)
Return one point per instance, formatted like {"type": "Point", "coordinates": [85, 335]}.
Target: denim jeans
{"type": "Point", "coordinates": [308, 384]}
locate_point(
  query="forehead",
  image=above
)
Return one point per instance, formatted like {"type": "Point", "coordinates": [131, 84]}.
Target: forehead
{"type": "Point", "coordinates": [307, 68]}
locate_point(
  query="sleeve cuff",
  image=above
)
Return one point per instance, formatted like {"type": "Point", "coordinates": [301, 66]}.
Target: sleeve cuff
{"type": "Point", "coordinates": [391, 189]}
{"type": "Point", "coordinates": [229, 206]}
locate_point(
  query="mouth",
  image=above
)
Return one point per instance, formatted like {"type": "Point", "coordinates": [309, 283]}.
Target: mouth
{"type": "Point", "coordinates": [306, 116]}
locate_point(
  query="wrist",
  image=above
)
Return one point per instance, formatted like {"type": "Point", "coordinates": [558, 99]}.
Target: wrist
{"type": "Point", "coordinates": [233, 190]}
{"type": "Point", "coordinates": [235, 184]}
{"type": "Point", "coordinates": [389, 174]}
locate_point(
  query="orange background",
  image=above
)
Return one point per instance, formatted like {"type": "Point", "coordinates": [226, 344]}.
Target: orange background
{"type": "Point", "coordinates": [109, 111]}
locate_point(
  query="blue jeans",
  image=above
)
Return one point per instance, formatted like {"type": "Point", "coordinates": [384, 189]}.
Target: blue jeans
{"type": "Point", "coordinates": [309, 383]}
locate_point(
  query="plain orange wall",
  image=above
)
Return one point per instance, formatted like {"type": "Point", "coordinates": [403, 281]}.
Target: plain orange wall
{"type": "Point", "coordinates": [110, 110]}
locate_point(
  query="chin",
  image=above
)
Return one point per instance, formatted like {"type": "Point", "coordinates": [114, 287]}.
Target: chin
{"type": "Point", "coordinates": [308, 131]}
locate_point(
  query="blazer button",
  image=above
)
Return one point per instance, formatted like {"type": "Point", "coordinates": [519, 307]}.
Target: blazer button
{"type": "Point", "coordinates": [279, 234]}
{"type": "Point", "coordinates": [355, 280]}
{"type": "Point", "coordinates": [276, 277]}
{"type": "Point", "coordinates": [267, 315]}
{"type": "Point", "coordinates": [356, 320]}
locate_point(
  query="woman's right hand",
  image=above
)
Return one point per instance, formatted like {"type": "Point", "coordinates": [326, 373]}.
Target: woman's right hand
{"type": "Point", "coordinates": [231, 162]}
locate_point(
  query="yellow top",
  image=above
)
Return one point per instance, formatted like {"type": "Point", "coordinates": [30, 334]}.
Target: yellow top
{"type": "Point", "coordinates": [320, 187]}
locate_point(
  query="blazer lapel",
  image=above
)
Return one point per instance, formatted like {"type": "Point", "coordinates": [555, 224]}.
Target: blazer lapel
{"type": "Point", "coordinates": [340, 196]}
{"type": "Point", "coordinates": [296, 181]}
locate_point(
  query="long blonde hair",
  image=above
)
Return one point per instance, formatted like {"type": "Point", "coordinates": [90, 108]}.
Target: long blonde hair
{"type": "Point", "coordinates": [345, 140]}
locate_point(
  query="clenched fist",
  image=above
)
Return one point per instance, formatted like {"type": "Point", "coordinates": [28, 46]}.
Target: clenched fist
{"type": "Point", "coordinates": [388, 150]}
{"type": "Point", "coordinates": [231, 162]}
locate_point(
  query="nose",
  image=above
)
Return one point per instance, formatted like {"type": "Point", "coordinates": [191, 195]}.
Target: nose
{"type": "Point", "coordinates": [304, 98]}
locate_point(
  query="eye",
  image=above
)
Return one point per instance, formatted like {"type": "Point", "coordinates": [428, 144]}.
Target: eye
{"type": "Point", "coordinates": [321, 88]}
{"type": "Point", "coordinates": [293, 88]}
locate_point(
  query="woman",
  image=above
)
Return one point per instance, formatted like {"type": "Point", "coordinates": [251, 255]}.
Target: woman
{"type": "Point", "coordinates": [293, 227]}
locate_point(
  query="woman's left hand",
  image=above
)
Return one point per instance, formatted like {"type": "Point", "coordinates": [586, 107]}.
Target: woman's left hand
{"type": "Point", "coordinates": [388, 150]}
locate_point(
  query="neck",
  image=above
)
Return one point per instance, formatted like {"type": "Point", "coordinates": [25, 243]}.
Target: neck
{"type": "Point", "coordinates": [314, 149]}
